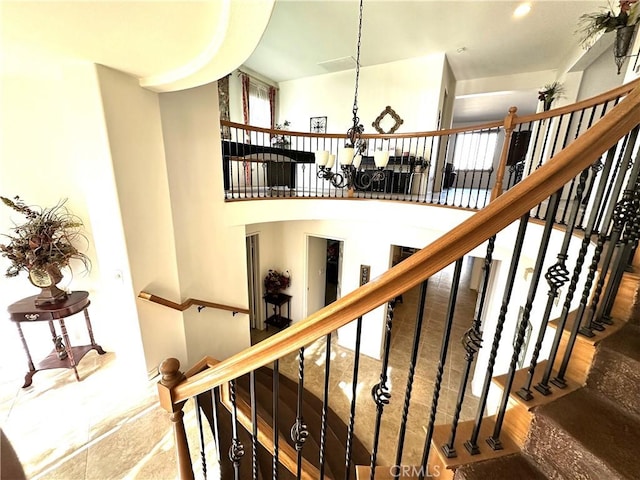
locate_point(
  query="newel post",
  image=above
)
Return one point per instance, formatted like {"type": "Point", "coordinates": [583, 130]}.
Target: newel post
{"type": "Point", "coordinates": [171, 376]}
{"type": "Point", "coordinates": [509, 125]}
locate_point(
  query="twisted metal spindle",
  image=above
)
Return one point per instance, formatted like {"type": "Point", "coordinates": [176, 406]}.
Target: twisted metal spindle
{"type": "Point", "coordinates": [472, 342]}
{"type": "Point", "coordinates": [494, 440]}
{"type": "Point", "coordinates": [236, 450]}
{"type": "Point", "coordinates": [444, 347]}
{"type": "Point", "coordinates": [557, 276]}
{"type": "Point", "coordinates": [365, 274]}
{"type": "Point", "coordinates": [354, 392]}
{"type": "Point", "coordinates": [472, 444]}
{"type": "Point", "coordinates": [613, 192]}
{"type": "Point", "coordinates": [618, 214]}
{"type": "Point", "coordinates": [203, 456]}
{"type": "Point", "coordinates": [299, 430]}
{"type": "Point", "coordinates": [380, 392]}
{"type": "Point", "coordinates": [276, 396]}
{"type": "Point", "coordinates": [254, 425]}
{"type": "Point", "coordinates": [325, 404]}
{"type": "Point", "coordinates": [630, 238]}
{"type": "Point", "coordinates": [624, 214]}
{"type": "Point", "coordinates": [412, 369]}
{"type": "Point", "coordinates": [543, 385]}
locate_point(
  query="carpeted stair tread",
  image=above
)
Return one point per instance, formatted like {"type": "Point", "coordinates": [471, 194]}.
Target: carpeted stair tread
{"type": "Point", "coordinates": [501, 468]}
{"type": "Point", "coordinates": [583, 435]}
{"type": "Point", "coordinates": [615, 372]}
{"type": "Point", "coordinates": [626, 342]}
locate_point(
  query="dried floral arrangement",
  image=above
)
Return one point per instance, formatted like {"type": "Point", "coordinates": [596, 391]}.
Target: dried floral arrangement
{"type": "Point", "coordinates": [276, 281]}
{"type": "Point", "coordinates": [607, 20]}
{"type": "Point", "coordinates": [47, 240]}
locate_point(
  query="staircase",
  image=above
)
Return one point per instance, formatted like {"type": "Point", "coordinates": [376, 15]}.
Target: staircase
{"type": "Point", "coordinates": [593, 432]}
{"type": "Point", "coordinates": [571, 227]}
{"type": "Point", "coordinates": [335, 434]}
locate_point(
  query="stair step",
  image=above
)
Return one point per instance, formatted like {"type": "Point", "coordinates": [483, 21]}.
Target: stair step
{"type": "Point", "coordinates": [502, 468]}
{"type": "Point", "coordinates": [616, 369]}
{"type": "Point", "coordinates": [583, 435]}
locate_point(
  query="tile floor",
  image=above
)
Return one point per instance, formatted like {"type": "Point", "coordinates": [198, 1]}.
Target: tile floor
{"type": "Point", "coordinates": [63, 429]}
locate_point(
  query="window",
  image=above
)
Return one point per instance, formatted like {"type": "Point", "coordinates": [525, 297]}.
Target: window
{"type": "Point", "coordinates": [475, 150]}
{"type": "Point", "coordinates": [259, 107]}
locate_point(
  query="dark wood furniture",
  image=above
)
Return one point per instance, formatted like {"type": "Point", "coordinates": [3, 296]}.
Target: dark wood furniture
{"type": "Point", "coordinates": [63, 355]}
{"type": "Point", "coordinates": [397, 175]}
{"type": "Point", "coordinates": [279, 172]}
{"type": "Point", "coordinates": [277, 300]}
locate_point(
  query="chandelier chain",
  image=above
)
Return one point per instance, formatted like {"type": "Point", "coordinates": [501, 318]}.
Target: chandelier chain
{"type": "Point", "coordinates": [355, 97]}
{"type": "Point", "coordinates": [356, 129]}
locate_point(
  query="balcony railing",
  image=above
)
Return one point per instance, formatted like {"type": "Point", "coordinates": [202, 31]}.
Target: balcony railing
{"type": "Point", "coordinates": [463, 168]}
{"type": "Point", "coordinates": [582, 266]}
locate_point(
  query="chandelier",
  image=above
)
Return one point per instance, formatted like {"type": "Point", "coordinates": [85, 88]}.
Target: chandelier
{"type": "Point", "coordinates": [355, 146]}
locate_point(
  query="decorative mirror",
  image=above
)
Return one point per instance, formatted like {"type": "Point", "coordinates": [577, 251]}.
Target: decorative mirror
{"type": "Point", "coordinates": [389, 119]}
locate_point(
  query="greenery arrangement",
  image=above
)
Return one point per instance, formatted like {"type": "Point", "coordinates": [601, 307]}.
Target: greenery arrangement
{"type": "Point", "coordinates": [46, 241]}
{"type": "Point", "coordinates": [607, 20]}
{"type": "Point", "coordinates": [549, 93]}
{"type": "Point", "coordinates": [276, 281]}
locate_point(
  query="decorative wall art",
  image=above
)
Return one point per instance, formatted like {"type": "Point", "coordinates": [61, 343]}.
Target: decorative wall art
{"type": "Point", "coordinates": [318, 124]}
{"type": "Point", "coordinates": [383, 119]}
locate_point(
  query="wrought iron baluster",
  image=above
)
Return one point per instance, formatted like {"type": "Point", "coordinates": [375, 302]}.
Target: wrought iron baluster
{"type": "Point", "coordinates": [472, 444]}
{"type": "Point", "coordinates": [545, 143]}
{"type": "Point", "coordinates": [215, 397]}
{"type": "Point", "coordinates": [557, 275]}
{"type": "Point", "coordinates": [325, 404]}
{"type": "Point", "coordinates": [365, 274]}
{"type": "Point", "coordinates": [276, 396]}
{"type": "Point", "coordinates": [412, 369]}
{"type": "Point", "coordinates": [455, 285]}
{"type": "Point", "coordinates": [472, 342]}
{"type": "Point", "coordinates": [203, 456]}
{"type": "Point", "coordinates": [612, 193]}
{"type": "Point", "coordinates": [622, 215]}
{"type": "Point", "coordinates": [380, 392]}
{"type": "Point", "coordinates": [543, 385]}
{"type": "Point", "coordinates": [595, 168]}
{"type": "Point", "coordinates": [629, 241]}
{"type": "Point", "coordinates": [494, 440]}
{"type": "Point", "coordinates": [619, 215]}
{"type": "Point", "coordinates": [299, 430]}
{"type": "Point", "coordinates": [236, 450]}
{"type": "Point", "coordinates": [254, 425]}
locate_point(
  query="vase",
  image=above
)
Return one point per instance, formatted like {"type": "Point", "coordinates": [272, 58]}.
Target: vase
{"type": "Point", "coordinates": [47, 279]}
{"type": "Point", "coordinates": [624, 35]}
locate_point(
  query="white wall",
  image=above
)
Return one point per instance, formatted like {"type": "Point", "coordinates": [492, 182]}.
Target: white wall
{"type": "Point", "coordinates": [132, 117]}
{"type": "Point", "coordinates": [367, 241]}
{"type": "Point", "coordinates": [210, 252]}
{"type": "Point", "coordinates": [600, 76]}
{"type": "Point", "coordinates": [411, 87]}
{"type": "Point", "coordinates": [55, 145]}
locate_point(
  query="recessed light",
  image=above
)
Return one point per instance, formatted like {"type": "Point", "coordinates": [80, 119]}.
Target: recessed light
{"type": "Point", "coordinates": [522, 10]}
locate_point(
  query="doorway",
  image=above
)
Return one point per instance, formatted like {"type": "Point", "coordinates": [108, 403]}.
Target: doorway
{"type": "Point", "coordinates": [324, 271]}
{"type": "Point", "coordinates": [253, 281]}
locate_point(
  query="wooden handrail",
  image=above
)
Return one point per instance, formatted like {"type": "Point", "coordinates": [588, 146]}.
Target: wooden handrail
{"type": "Point", "coordinates": [590, 102]}
{"type": "Point", "coordinates": [454, 244]}
{"type": "Point", "coordinates": [190, 301]}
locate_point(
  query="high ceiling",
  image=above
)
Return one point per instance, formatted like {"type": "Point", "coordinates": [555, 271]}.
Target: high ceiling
{"type": "Point", "coordinates": [304, 34]}
{"type": "Point", "coordinates": [157, 41]}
